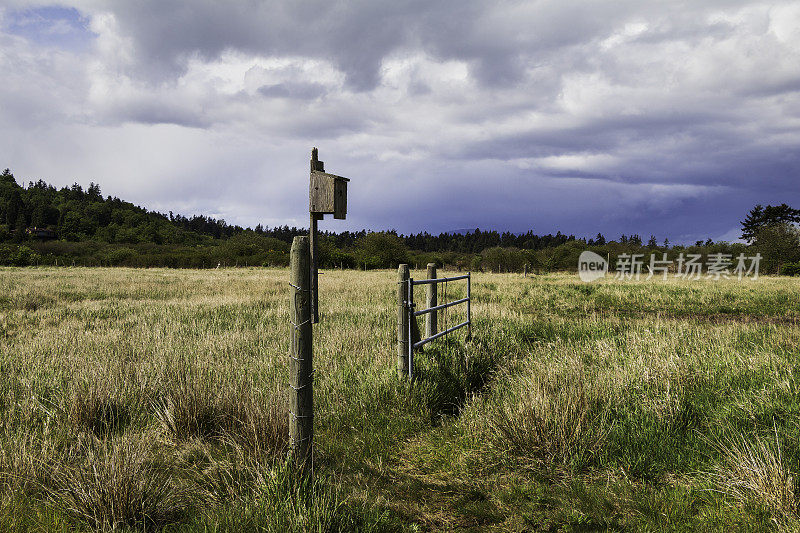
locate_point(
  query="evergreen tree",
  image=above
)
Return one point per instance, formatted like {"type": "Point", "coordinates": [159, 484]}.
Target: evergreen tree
{"type": "Point", "coordinates": [93, 192]}
{"type": "Point", "coordinates": [14, 208]}
{"type": "Point", "coordinates": [760, 217]}
{"type": "Point", "coordinates": [19, 228]}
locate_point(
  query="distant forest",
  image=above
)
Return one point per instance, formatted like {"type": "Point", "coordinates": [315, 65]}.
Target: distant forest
{"type": "Point", "coordinates": [43, 225]}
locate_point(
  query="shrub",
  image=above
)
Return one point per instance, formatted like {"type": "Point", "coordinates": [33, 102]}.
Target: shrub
{"type": "Point", "coordinates": [791, 269]}
{"type": "Point", "coordinates": [120, 256]}
{"type": "Point", "coordinates": [18, 256]}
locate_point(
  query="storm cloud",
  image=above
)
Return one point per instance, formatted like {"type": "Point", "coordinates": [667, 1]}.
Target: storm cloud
{"type": "Point", "coordinates": [670, 118]}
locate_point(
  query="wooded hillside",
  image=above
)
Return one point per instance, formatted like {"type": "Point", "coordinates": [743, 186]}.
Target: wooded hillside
{"type": "Point", "coordinates": [43, 225]}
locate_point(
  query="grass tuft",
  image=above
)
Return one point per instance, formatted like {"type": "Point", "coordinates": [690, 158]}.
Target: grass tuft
{"type": "Point", "coordinates": [122, 482]}
{"type": "Point", "coordinates": [753, 471]}
{"type": "Point", "coordinates": [93, 408]}
{"type": "Point", "coordinates": [547, 416]}
{"type": "Point", "coordinates": [283, 500]}
{"type": "Point", "coordinates": [199, 406]}
{"type": "Point", "coordinates": [450, 372]}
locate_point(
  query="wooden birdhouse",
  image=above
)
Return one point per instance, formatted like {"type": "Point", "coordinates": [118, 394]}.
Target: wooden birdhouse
{"type": "Point", "coordinates": [327, 193]}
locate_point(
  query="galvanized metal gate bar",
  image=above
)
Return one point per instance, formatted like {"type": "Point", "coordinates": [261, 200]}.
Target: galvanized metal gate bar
{"type": "Point", "coordinates": [439, 280]}
{"type": "Point", "coordinates": [442, 306]}
{"type": "Point", "coordinates": [445, 332]}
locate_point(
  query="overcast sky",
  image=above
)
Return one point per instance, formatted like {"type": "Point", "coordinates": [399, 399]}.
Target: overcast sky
{"type": "Point", "coordinates": [653, 117]}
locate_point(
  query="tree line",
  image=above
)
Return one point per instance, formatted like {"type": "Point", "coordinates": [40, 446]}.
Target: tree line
{"type": "Point", "coordinates": [43, 225]}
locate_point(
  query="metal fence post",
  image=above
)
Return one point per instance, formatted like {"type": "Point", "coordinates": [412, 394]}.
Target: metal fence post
{"type": "Point", "coordinates": [469, 305]}
{"type": "Point", "coordinates": [402, 322]}
{"type": "Point", "coordinates": [430, 318]}
{"type": "Point", "coordinates": [301, 395]}
{"type": "Point", "coordinates": [412, 321]}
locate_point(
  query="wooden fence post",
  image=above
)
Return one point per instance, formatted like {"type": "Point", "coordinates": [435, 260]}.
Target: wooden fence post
{"type": "Point", "coordinates": [402, 322]}
{"type": "Point", "coordinates": [430, 318]}
{"type": "Point", "coordinates": [301, 400]}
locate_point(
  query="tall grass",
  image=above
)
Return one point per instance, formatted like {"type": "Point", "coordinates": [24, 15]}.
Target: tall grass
{"type": "Point", "coordinates": [547, 417]}
{"type": "Point", "coordinates": [156, 399]}
{"type": "Point", "coordinates": [122, 482]}
{"type": "Point", "coordinates": [753, 470]}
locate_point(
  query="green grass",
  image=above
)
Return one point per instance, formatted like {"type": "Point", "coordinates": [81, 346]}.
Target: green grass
{"type": "Point", "coordinates": [156, 400]}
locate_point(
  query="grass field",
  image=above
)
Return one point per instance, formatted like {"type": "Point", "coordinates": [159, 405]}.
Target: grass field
{"type": "Point", "coordinates": [156, 399]}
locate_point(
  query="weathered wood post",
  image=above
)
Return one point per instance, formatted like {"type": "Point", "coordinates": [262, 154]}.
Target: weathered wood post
{"type": "Point", "coordinates": [402, 321]}
{"type": "Point", "coordinates": [312, 234]}
{"type": "Point", "coordinates": [301, 395]}
{"type": "Point", "coordinates": [430, 318]}
{"type": "Point", "coordinates": [316, 164]}
{"type": "Point", "coordinates": [327, 194]}
{"type": "Point", "coordinates": [525, 271]}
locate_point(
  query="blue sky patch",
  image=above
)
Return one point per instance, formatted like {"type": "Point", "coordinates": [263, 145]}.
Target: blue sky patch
{"type": "Point", "coordinates": [60, 27]}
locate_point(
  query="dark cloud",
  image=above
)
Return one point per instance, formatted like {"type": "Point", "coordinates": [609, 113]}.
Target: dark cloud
{"type": "Point", "coordinates": [303, 91]}
{"type": "Point", "coordinates": [155, 112]}
{"type": "Point", "coordinates": [497, 38]}
{"type": "Point", "coordinates": [356, 36]}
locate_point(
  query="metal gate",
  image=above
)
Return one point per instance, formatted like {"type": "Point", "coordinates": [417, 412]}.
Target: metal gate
{"type": "Point", "coordinates": [412, 314]}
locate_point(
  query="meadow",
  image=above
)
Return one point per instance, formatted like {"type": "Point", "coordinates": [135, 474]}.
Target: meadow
{"type": "Point", "coordinates": [155, 400]}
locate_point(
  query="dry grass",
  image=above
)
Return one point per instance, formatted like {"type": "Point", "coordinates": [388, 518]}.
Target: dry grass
{"type": "Point", "coordinates": [754, 471]}
{"type": "Point", "coordinates": [93, 408]}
